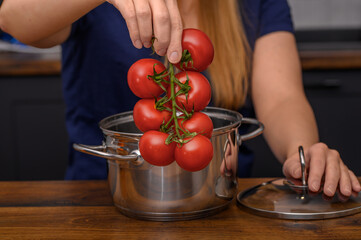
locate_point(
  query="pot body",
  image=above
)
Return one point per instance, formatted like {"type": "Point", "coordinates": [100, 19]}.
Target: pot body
{"type": "Point", "coordinates": [170, 193]}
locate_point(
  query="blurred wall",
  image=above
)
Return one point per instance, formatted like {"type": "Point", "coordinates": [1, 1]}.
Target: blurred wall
{"type": "Point", "coordinates": [326, 14]}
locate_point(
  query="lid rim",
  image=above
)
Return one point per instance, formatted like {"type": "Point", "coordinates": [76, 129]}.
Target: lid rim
{"type": "Point", "coordinates": [300, 216]}
{"type": "Point", "coordinates": [291, 215]}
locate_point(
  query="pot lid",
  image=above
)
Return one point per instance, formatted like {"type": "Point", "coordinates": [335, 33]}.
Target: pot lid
{"type": "Point", "coordinates": [291, 199]}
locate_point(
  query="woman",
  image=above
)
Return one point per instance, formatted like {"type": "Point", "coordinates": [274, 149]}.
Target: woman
{"type": "Point", "coordinates": [97, 52]}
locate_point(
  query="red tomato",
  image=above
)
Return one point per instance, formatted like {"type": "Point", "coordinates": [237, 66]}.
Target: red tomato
{"type": "Point", "coordinates": [153, 149]}
{"type": "Point", "coordinates": [200, 47]}
{"type": "Point", "coordinates": [139, 81]}
{"type": "Point", "coordinates": [198, 96]}
{"type": "Point", "coordinates": [199, 123]}
{"type": "Point", "coordinates": [195, 154]}
{"type": "Point", "coordinates": [147, 117]}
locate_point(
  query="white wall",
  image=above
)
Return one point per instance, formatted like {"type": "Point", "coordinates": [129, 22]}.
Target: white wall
{"type": "Point", "coordinates": [326, 14]}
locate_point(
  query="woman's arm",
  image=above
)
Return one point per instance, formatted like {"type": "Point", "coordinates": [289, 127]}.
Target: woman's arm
{"type": "Point", "coordinates": [278, 95]}
{"type": "Point", "coordinates": [46, 23]}
{"type": "Point", "coordinates": [280, 103]}
{"type": "Point", "coordinates": [42, 23]}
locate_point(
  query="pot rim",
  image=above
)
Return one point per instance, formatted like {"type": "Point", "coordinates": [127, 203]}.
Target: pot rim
{"type": "Point", "coordinates": [234, 116]}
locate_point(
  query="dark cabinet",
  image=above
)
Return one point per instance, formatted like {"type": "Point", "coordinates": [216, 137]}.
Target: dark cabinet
{"type": "Point", "coordinates": [33, 139]}
{"type": "Point", "coordinates": [335, 97]}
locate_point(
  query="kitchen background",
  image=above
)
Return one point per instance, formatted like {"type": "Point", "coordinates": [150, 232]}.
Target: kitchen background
{"type": "Point", "coordinates": [33, 140]}
{"type": "Point", "coordinates": [326, 14]}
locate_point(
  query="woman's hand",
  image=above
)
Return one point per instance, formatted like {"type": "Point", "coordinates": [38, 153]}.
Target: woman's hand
{"type": "Point", "coordinates": [158, 18]}
{"type": "Point", "coordinates": [323, 164]}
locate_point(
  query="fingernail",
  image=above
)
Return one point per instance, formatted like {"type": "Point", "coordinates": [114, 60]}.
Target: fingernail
{"type": "Point", "coordinates": [147, 44]}
{"type": "Point", "coordinates": [315, 186]}
{"type": "Point", "coordinates": [162, 51]}
{"type": "Point", "coordinates": [329, 190]}
{"type": "Point", "coordinates": [138, 44]}
{"type": "Point", "coordinates": [347, 191]}
{"type": "Point", "coordinates": [173, 57]}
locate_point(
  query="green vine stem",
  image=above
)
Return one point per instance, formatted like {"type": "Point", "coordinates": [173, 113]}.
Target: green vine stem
{"type": "Point", "coordinates": [177, 134]}
{"type": "Point", "coordinates": [186, 60]}
{"type": "Point", "coordinates": [172, 96]}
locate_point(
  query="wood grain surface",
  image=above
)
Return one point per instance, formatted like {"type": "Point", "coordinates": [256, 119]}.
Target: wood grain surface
{"type": "Point", "coordinates": [25, 64]}
{"type": "Point", "coordinates": [84, 210]}
{"type": "Point", "coordinates": [325, 60]}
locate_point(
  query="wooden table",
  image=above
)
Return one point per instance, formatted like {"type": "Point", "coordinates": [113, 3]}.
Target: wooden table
{"type": "Point", "coordinates": [84, 210]}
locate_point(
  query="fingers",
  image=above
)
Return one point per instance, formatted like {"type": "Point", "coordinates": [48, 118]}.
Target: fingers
{"type": "Point", "coordinates": [317, 166]}
{"type": "Point", "coordinates": [333, 173]}
{"type": "Point", "coordinates": [354, 182]}
{"type": "Point", "coordinates": [158, 18]}
{"type": "Point", "coordinates": [345, 180]}
{"type": "Point", "coordinates": [328, 163]}
{"type": "Point", "coordinates": [174, 52]}
{"type": "Point", "coordinates": [144, 20]}
{"type": "Point", "coordinates": [127, 9]}
{"type": "Point", "coordinates": [324, 163]}
{"type": "Point", "coordinates": [161, 26]}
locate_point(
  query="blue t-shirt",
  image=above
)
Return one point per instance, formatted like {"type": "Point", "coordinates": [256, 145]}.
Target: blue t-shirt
{"type": "Point", "coordinates": [95, 61]}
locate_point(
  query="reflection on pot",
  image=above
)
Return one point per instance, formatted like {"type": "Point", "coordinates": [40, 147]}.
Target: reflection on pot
{"type": "Point", "coordinates": [226, 184]}
{"type": "Point", "coordinates": [170, 193]}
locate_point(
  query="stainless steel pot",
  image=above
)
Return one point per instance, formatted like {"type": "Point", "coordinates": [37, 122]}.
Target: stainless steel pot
{"type": "Point", "coordinates": [170, 193]}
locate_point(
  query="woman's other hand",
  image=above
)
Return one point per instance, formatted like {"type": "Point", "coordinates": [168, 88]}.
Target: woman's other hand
{"type": "Point", "coordinates": [158, 18]}
{"type": "Point", "coordinates": [326, 165]}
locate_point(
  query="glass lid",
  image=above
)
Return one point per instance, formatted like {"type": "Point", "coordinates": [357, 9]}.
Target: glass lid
{"type": "Point", "coordinates": [291, 199]}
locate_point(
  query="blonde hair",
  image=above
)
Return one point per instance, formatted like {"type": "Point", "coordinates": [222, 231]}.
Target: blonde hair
{"type": "Point", "coordinates": [230, 69]}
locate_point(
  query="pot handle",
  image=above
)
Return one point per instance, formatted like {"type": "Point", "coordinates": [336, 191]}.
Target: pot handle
{"type": "Point", "coordinates": [100, 151]}
{"type": "Point", "coordinates": [252, 134]}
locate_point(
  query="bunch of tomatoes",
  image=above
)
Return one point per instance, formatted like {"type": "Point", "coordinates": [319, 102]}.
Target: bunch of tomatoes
{"type": "Point", "coordinates": [169, 111]}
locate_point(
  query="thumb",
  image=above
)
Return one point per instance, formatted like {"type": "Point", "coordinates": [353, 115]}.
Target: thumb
{"type": "Point", "coordinates": [292, 168]}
